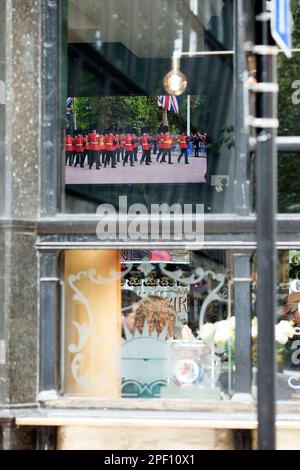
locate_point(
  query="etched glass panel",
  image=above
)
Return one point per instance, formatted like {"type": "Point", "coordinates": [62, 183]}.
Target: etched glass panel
{"type": "Point", "coordinates": [149, 324]}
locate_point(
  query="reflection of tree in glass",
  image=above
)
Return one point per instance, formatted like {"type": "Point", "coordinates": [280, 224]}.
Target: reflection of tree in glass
{"type": "Point", "coordinates": [137, 112]}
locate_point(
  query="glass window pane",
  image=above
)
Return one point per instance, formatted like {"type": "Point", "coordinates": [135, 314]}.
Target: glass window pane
{"type": "Point", "coordinates": [289, 83]}
{"type": "Point", "coordinates": [287, 328]}
{"type": "Point", "coordinates": [149, 324]}
{"type": "Point", "coordinates": [288, 182]}
{"type": "Point", "coordinates": [119, 52]}
{"type": "Point", "coordinates": [289, 117]}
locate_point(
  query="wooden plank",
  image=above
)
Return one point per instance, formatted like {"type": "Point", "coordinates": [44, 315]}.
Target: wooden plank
{"type": "Point", "coordinates": [138, 423]}
{"type": "Point", "coordinates": [154, 438]}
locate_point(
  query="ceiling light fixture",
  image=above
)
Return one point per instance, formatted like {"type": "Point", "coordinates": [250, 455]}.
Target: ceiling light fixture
{"type": "Point", "coordinates": [175, 82]}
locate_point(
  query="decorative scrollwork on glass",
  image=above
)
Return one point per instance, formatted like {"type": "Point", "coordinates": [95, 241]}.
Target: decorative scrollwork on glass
{"type": "Point", "coordinates": [113, 275]}
{"type": "Point", "coordinates": [178, 275]}
{"type": "Point", "coordinates": [84, 330]}
{"type": "Point", "coordinates": [76, 365]}
{"type": "Point", "coordinates": [292, 384]}
{"type": "Point", "coordinates": [213, 296]}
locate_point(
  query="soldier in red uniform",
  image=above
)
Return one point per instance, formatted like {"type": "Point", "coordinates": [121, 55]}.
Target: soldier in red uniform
{"type": "Point", "coordinates": [122, 144]}
{"type": "Point", "coordinates": [135, 146]}
{"type": "Point", "coordinates": [118, 146]}
{"type": "Point", "coordinates": [166, 146]}
{"type": "Point", "coordinates": [86, 146]}
{"type": "Point", "coordinates": [102, 149]}
{"type": "Point", "coordinates": [98, 150]}
{"type": "Point", "coordinates": [182, 139]}
{"type": "Point", "coordinates": [110, 145]}
{"type": "Point", "coordinates": [94, 149]}
{"type": "Point", "coordinates": [115, 148]}
{"type": "Point", "coordinates": [69, 147]}
{"type": "Point", "coordinates": [159, 139]}
{"type": "Point", "coordinates": [128, 148]}
{"type": "Point", "coordinates": [145, 142]}
{"type": "Point", "coordinates": [79, 149]}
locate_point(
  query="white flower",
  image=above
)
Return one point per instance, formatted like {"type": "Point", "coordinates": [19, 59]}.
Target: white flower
{"type": "Point", "coordinates": [254, 327]}
{"type": "Point", "coordinates": [207, 332]}
{"type": "Point", "coordinates": [283, 331]}
{"type": "Point", "coordinates": [219, 332]}
{"type": "Point", "coordinates": [224, 331]}
{"type": "Point", "coordinates": [186, 334]}
{"type": "Point", "coordinates": [219, 325]}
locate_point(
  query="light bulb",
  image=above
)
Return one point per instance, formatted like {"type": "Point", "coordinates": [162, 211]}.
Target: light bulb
{"type": "Point", "coordinates": [175, 82]}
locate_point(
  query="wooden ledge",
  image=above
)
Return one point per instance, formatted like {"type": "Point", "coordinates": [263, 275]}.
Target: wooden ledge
{"type": "Point", "coordinates": [217, 423]}
{"type": "Point", "coordinates": [222, 423]}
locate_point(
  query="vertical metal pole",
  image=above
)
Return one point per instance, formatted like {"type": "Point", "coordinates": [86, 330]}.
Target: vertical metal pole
{"type": "Point", "coordinates": [266, 182]}
{"type": "Point", "coordinates": [52, 96]}
{"type": "Point", "coordinates": [242, 303]}
{"type": "Point", "coordinates": [165, 117]}
{"type": "Point", "coordinates": [242, 300]}
{"type": "Point", "coordinates": [188, 116]}
{"type": "Point", "coordinates": [75, 115]}
{"type": "Point", "coordinates": [241, 180]}
{"type": "Point", "coordinates": [49, 321]}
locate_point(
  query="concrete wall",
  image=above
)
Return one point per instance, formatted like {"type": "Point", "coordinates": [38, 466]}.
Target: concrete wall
{"type": "Point", "coordinates": [20, 122]}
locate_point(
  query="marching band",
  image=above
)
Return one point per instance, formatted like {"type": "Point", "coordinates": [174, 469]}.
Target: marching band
{"type": "Point", "coordinates": [113, 146]}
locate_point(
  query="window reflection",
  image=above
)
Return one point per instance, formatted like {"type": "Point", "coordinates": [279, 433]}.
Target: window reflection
{"type": "Point", "coordinates": [123, 48]}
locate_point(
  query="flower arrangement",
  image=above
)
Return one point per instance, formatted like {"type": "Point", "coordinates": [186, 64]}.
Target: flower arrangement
{"type": "Point", "coordinates": [222, 334]}
{"type": "Point", "coordinates": [218, 333]}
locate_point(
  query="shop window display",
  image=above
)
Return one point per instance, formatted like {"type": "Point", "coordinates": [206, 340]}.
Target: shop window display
{"type": "Point", "coordinates": [287, 329]}
{"type": "Point", "coordinates": [135, 328]}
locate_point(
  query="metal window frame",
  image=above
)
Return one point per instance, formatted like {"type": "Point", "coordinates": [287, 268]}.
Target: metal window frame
{"type": "Point", "coordinates": [58, 231]}
{"type": "Point", "coordinates": [51, 177]}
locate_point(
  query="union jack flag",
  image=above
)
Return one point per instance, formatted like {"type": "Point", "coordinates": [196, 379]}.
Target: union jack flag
{"type": "Point", "coordinates": [168, 102]}
{"type": "Point", "coordinates": [68, 107]}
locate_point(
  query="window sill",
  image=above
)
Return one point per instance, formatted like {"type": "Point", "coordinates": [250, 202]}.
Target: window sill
{"type": "Point", "coordinates": [216, 406]}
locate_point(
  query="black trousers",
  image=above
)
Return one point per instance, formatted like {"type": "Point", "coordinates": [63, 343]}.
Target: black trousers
{"type": "Point", "coordinates": [102, 155]}
{"type": "Point", "coordinates": [128, 156]}
{"type": "Point", "coordinates": [135, 152]}
{"type": "Point", "coordinates": [183, 152]}
{"type": "Point", "coordinates": [94, 157]}
{"type": "Point", "coordinates": [160, 151]}
{"type": "Point", "coordinates": [82, 160]}
{"type": "Point", "coordinates": [197, 149]}
{"type": "Point", "coordinates": [91, 157]}
{"type": "Point", "coordinates": [166, 153]}
{"type": "Point", "coordinates": [69, 157]}
{"type": "Point", "coordinates": [146, 157]}
{"type": "Point", "coordinates": [79, 159]}
{"type": "Point", "coordinates": [110, 158]}
{"type": "Point", "coordinates": [84, 155]}
{"type": "Point", "coordinates": [118, 154]}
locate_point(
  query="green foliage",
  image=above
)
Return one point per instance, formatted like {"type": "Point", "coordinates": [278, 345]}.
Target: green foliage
{"type": "Point", "coordinates": [134, 111]}
{"type": "Point", "coordinates": [118, 111]}
{"type": "Point", "coordinates": [227, 139]}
